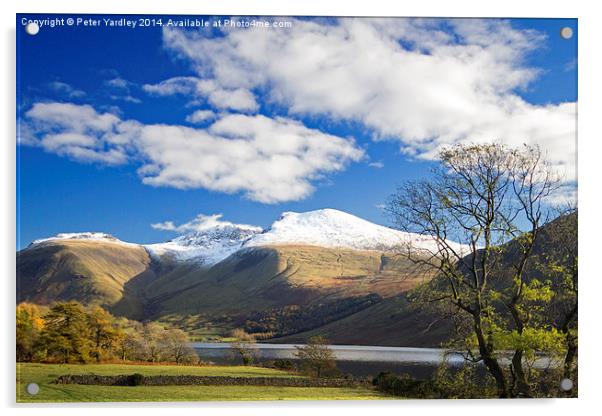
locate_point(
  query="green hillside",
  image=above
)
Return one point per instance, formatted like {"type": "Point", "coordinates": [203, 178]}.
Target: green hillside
{"type": "Point", "coordinates": [281, 293]}
{"type": "Point", "coordinates": [391, 322]}
{"type": "Point", "coordinates": [396, 322]}
{"type": "Point", "coordinates": [329, 283]}
{"type": "Point", "coordinates": [270, 277]}
{"type": "Point", "coordinates": [92, 272]}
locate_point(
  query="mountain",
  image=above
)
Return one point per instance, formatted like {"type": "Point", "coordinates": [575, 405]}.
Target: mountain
{"type": "Point", "coordinates": [305, 271]}
{"type": "Point", "coordinates": [336, 229]}
{"type": "Point", "coordinates": [396, 322]}
{"type": "Point", "coordinates": [206, 246]}
{"type": "Point", "coordinates": [328, 228]}
{"type": "Point", "coordinates": [89, 267]}
{"type": "Point", "coordinates": [323, 272]}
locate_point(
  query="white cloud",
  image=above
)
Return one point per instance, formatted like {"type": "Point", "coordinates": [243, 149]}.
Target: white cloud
{"type": "Point", "coordinates": [200, 223]}
{"type": "Point", "coordinates": [71, 117]}
{"type": "Point", "coordinates": [564, 197]}
{"type": "Point", "coordinates": [121, 90]}
{"type": "Point", "coordinates": [240, 99]}
{"type": "Point", "coordinates": [376, 165]}
{"type": "Point", "coordinates": [164, 226]}
{"type": "Point", "coordinates": [570, 65]}
{"type": "Point", "coordinates": [237, 99]}
{"type": "Point", "coordinates": [426, 83]}
{"type": "Point", "coordinates": [171, 86]}
{"type": "Point", "coordinates": [118, 82]}
{"type": "Point", "coordinates": [65, 89]}
{"type": "Point", "coordinates": [200, 116]}
{"type": "Point", "coordinates": [268, 160]}
{"type": "Point", "coordinates": [126, 98]}
{"type": "Point", "coordinates": [74, 131]}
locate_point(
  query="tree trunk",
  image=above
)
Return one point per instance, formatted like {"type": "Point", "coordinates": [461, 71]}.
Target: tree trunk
{"type": "Point", "coordinates": [521, 387]}
{"type": "Point", "coordinates": [496, 371]}
{"type": "Point", "coordinates": [490, 361]}
{"type": "Point", "coordinates": [571, 355]}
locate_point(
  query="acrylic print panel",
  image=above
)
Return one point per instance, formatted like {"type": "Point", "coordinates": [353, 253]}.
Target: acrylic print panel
{"type": "Point", "coordinates": [268, 208]}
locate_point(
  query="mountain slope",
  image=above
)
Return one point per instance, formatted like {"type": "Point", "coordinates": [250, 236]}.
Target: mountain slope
{"type": "Point", "coordinates": [392, 322]}
{"type": "Point", "coordinates": [396, 322]}
{"type": "Point", "coordinates": [88, 270]}
{"type": "Point", "coordinates": [324, 261]}
{"type": "Point", "coordinates": [267, 277]}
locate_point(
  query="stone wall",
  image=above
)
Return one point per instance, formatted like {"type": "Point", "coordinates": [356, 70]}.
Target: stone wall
{"type": "Point", "coordinates": [184, 380]}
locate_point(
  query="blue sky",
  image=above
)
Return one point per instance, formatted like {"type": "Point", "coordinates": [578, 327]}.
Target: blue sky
{"type": "Point", "coordinates": [360, 106]}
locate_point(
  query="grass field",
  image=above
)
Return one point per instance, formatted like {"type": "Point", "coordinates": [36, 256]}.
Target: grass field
{"type": "Point", "coordinates": [44, 374]}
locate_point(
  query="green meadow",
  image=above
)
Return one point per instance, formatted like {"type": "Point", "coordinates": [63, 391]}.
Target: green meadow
{"type": "Point", "coordinates": [44, 374]}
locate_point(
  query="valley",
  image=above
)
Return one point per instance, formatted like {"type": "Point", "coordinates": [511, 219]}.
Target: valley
{"type": "Point", "coordinates": [323, 269]}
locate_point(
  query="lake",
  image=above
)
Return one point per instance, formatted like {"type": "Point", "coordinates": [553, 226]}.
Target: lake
{"type": "Point", "coordinates": [359, 360]}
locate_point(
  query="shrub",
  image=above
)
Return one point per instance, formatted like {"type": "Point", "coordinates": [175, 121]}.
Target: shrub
{"type": "Point", "coordinates": [282, 364]}
{"type": "Point", "coordinates": [404, 385]}
{"type": "Point", "coordinates": [136, 379]}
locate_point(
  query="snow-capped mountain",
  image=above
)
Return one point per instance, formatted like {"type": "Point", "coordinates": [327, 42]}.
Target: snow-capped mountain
{"type": "Point", "coordinates": [324, 228]}
{"type": "Point", "coordinates": [337, 229]}
{"type": "Point", "coordinates": [89, 236]}
{"type": "Point", "coordinates": [207, 246]}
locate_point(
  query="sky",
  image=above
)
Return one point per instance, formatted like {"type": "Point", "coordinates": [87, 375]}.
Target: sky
{"type": "Point", "coordinates": [142, 132]}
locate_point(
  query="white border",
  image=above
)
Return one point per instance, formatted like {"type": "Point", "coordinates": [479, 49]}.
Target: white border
{"type": "Point", "coordinates": [589, 191]}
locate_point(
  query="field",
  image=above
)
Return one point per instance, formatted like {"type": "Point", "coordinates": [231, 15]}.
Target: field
{"type": "Point", "coordinates": [44, 374]}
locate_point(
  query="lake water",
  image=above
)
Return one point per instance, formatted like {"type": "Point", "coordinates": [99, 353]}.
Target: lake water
{"type": "Point", "coordinates": [359, 360]}
{"type": "Point", "coordinates": [342, 353]}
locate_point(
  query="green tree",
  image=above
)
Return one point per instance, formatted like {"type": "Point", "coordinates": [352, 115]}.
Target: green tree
{"type": "Point", "coordinates": [316, 357]}
{"type": "Point", "coordinates": [66, 333]}
{"type": "Point", "coordinates": [493, 199]}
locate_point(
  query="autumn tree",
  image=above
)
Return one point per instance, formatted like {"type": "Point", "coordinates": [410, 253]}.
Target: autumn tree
{"type": "Point", "coordinates": [29, 328]}
{"type": "Point", "coordinates": [66, 333]}
{"type": "Point", "coordinates": [131, 343]}
{"type": "Point", "coordinates": [177, 346]}
{"type": "Point", "coordinates": [316, 357]}
{"type": "Point", "coordinates": [104, 333]}
{"type": "Point", "coordinates": [494, 201]}
{"type": "Point", "coordinates": [152, 337]}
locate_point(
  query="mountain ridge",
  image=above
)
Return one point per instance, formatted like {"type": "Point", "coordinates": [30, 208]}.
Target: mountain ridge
{"type": "Point", "coordinates": [218, 276]}
{"type": "Point", "coordinates": [323, 228]}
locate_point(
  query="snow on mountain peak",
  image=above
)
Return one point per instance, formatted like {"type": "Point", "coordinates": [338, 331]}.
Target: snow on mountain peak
{"type": "Point", "coordinates": [324, 227]}
{"type": "Point", "coordinates": [337, 229]}
{"type": "Point", "coordinates": [207, 245]}
{"type": "Point", "coordinates": [208, 240]}
{"type": "Point", "coordinates": [94, 236]}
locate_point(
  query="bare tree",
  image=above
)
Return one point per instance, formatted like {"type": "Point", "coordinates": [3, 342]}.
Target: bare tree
{"type": "Point", "coordinates": [177, 346]}
{"type": "Point", "coordinates": [152, 336]}
{"type": "Point", "coordinates": [316, 357]}
{"type": "Point", "coordinates": [243, 346]}
{"type": "Point", "coordinates": [132, 344]}
{"type": "Point", "coordinates": [492, 199]}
